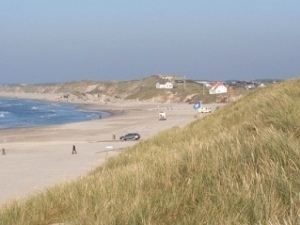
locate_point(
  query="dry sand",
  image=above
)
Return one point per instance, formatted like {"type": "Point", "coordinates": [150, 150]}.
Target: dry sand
{"type": "Point", "coordinates": [37, 158]}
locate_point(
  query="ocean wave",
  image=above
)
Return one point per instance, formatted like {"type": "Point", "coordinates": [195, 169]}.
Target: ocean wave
{"type": "Point", "coordinates": [3, 114]}
{"type": "Point", "coordinates": [16, 104]}
{"type": "Point", "coordinates": [22, 113]}
{"type": "Point", "coordinates": [51, 115]}
{"type": "Point", "coordinates": [48, 116]}
{"type": "Point", "coordinates": [5, 105]}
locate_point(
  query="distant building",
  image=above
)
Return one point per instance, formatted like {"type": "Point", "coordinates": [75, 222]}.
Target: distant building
{"type": "Point", "coordinates": [262, 85]}
{"type": "Point", "coordinates": [218, 88]}
{"type": "Point", "coordinates": [179, 81]}
{"type": "Point", "coordinates": [250, 86]}
{"type": "Point", "coordinates": [167, 77]}
{"type": "Point", "coordinates": [205, 83]}
{"type": "Point", "coordinates": [167, 85]}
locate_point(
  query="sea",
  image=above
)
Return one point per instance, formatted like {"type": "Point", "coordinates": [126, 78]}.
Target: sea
{"type": "Point", "coordinates": [17, 113]}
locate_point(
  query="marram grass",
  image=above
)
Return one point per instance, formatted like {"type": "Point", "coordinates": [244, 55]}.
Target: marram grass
{"type": "Point", "coordinates": [240, 165]}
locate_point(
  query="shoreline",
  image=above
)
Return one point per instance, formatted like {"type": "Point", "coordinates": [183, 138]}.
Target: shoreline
{"type": "Point", "coordinates": [40, 157]}
{"type": "Point", "coordinates": [81, 106]}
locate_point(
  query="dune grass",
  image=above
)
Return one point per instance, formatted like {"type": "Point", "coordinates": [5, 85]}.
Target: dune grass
{"type": "Point", "coordinates": [240, 165]}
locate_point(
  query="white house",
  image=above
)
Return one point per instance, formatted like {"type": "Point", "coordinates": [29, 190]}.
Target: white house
{"type": "Point", "coordinates": [167, 85]}
{"type": "Point", "coordinates": [250, 86]}
{"type": "Point", "coordinates": [218, 88]}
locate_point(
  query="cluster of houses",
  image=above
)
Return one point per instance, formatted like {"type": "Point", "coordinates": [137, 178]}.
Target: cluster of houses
{"type": "Point", "coordinates": [217, 87]}
{"type": "Point", "coordinates": [249, 84]}
{"type": "Point", "coordinates": [167, 82]}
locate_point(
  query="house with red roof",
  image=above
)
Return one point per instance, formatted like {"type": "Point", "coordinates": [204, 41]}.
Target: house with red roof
{"type": "Point", "coordinates": [218, 88]}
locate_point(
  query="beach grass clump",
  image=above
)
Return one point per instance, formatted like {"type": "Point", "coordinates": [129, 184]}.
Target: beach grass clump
{"type": "Point", "coordinates": [240, 165]}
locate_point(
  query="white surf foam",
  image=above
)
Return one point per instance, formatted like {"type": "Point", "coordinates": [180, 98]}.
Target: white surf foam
{"type": "Point", "coordinates": [3, 114]}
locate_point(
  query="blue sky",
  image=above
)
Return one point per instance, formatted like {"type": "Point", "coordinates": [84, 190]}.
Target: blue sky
{"type": "Point", "coordinates": [64, 40]}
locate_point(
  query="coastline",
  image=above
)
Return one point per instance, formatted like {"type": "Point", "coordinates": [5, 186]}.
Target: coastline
{"type": "Point", "coordinates": [39, 157]}
{"type": "Point", "coordinates": [89, 107]}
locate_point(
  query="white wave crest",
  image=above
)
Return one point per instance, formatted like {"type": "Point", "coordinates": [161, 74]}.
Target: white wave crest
{"type": "Point", "coordinates": [48, 116]}
{"type": "Point", "coordinates": [3, 114]}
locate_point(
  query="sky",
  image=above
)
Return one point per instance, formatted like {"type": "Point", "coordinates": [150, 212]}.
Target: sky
{"type": "Point", "coordinates": [68, 40]}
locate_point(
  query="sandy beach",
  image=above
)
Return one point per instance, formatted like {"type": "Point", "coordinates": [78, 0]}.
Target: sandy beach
{"type": "Point", "coordinates": [39, 157]}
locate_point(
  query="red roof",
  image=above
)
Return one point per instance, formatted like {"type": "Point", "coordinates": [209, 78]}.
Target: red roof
{"type": "Point", "coordinates": [217, 84]}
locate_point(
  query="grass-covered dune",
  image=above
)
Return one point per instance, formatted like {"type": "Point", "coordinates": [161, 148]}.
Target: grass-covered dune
{"type": "Point", "coordinates": [240, 165]}
{"type": "Point", "coordinates": [143, 90]}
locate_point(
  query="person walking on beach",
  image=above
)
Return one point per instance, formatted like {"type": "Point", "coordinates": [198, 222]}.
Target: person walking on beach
{"type": "Point", "coordinates": [74, 152]}
{"type": "Point", "coordinates": [3, 151]}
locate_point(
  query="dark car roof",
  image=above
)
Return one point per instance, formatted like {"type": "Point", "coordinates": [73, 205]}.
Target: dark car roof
{"type": "Point", "coordinates": [132, 134]}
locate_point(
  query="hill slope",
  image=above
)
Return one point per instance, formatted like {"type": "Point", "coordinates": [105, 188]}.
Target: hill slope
{"type": "Point", "coordinates": [143, 89]}
{"type": "Point", "coordinates": [240, 165]}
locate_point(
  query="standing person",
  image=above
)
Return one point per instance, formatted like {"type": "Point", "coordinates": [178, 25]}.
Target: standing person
{"type": "Point", "coordinates": [74, 152]}
{"type": "Point", "coordinates": [3, 151]}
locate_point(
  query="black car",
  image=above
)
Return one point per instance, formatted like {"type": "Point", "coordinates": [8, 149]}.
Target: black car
{"type": "Point", "coordinates": [130, 137]}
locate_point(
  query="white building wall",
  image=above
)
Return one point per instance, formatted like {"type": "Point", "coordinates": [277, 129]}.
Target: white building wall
{"type": "Point", "coordinates": [167, 85]}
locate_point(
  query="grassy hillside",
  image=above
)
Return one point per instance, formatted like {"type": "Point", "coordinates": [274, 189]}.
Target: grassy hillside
{"type": "Point", "coordinates": [143, 89]}
{"type": "Point", "coordinates": [240, 165]}
{"type": "Point", "coordinates": [181, 92]}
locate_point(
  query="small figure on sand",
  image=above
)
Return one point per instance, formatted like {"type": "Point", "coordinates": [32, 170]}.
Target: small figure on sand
{"type": "Point", "coordinates": [3, 151]}
{"type": "Point", "coordinates": [74, 152]}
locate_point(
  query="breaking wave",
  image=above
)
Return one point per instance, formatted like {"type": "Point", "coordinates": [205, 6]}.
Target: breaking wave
{"type": "Point", "coordinates": [16, 113]}
{"type": "Point", "coordinates": [3, 114]}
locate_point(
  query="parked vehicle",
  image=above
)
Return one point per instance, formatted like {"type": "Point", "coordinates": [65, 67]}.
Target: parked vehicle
{"type": "Point", "coordinates": [130, 137]}
{"type": "Point", "coordinates": [162, 116]}
{"type": "Point", "coordinates": [204, 110]}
